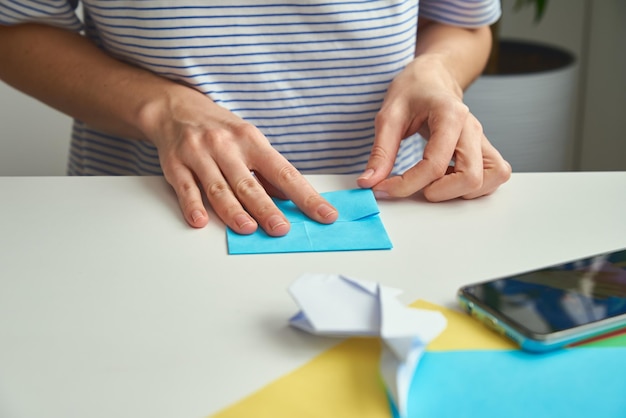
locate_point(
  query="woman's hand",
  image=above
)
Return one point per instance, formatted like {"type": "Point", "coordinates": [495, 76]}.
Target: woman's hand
{"type": "Point", "coordinates": [204, 148]}
{"type": "Point", "coordinates": [427, 98]}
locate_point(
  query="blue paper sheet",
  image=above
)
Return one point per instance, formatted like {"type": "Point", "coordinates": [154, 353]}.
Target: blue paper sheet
{"type": "Point", "coordinates": [358, 227]}
{"type": "Point", "coordinates": [574, 383]}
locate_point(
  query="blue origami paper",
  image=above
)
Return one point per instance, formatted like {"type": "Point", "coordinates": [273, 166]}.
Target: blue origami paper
{"type": "Point", "coordinates": [575, 383]}
{"type": "Point", "coordinates": [358, 227]}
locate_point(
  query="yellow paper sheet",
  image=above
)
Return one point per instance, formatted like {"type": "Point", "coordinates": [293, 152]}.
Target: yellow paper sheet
{"type": "Point", "coordinates": [344, 381]}
{"type": "Point", "coordinates": [464, 332]}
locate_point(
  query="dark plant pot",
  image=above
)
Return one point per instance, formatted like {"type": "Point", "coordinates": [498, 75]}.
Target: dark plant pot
{"type": "Point", "coordinates": [525, 57]}
{"type": "Point", "coordinates": [528, 109]}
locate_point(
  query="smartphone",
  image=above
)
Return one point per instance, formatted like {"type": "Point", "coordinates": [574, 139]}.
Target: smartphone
{"type": "Point", "coordinates": [555, 306]}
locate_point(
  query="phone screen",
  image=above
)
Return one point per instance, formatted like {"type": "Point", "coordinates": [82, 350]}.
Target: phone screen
{"type": "Point", "coordinates": [559, 297]}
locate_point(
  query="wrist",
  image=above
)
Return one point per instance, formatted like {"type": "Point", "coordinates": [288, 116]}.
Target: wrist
{"type": "Point", "coordinates": [462, 51]}
{"type": "Point", "coordinates": [173, 109]}
{"type": "Point", "coordinates": [436, 69]}
{"type": "Point", "coordinates": [155, 111]}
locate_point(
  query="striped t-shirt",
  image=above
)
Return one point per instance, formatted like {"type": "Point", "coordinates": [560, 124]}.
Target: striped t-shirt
{"type": "Point", "coordinates": [311, 75]}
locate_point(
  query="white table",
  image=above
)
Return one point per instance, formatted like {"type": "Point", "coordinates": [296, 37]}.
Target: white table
{"type": "Point", "coordinates": [111, 306]}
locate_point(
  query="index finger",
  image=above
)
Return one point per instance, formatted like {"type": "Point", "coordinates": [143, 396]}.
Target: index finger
{"type": "Point", "coordinates": [281, 174]}
{"type": "Point", "coordinates": [389, 129]}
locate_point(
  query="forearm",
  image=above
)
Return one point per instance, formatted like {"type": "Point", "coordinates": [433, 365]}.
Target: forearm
{"type": "Point", "coordinates": [69, 73]}
{"type": "Point", "coordinates": [463, 52]}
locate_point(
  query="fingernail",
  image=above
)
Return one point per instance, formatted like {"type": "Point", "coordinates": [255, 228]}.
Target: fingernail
{"type": "Point", "coordinates": [196, 215]}
{"type": "Point", "coordinates": [367, 174]}
{"type": "Point", "coordinates": [326, 211]}
{"type": "Point", "coordinates": [381, 194]}
{"type": "Point", "coordinates": [276, 222]}
{"type": "Point", "coordinates": [243, 220]}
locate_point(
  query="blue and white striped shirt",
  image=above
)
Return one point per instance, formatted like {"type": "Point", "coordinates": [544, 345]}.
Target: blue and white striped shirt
{"type": "Point", "coordinates": [311, 75]}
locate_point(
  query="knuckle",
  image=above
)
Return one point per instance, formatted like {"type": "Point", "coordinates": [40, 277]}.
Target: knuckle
{"type": "Point", "coordinates": [462, 108]}
{"type": "Point", "coordinates": [401, 186]}
{"type": "Point", "coordinates": [312, 201]}
{"type": "Point", "coordinates": [176, 176]}
{"type": "Point", "coordinates": [229, 211]}
{"type": "Point", "coordinates": [503, 172]}
{"type": "Point", "coordinates": [459, 108]}
{"type": "Point", "coordinates": [449, 105]}
{"type": "Point", "coordinates": [247, 132]}
{"type": "Point", "coordinates": [403, 191]}
{"type": "Point", "coordinates": [189, 141]}
{"type": "Point", "coordinates": [219, 139]}
{"type": "Point", "coordinates": [447, 113]}
{"type": "Point", "coordinates": [437, 168]}
{"type": "Point", "coordinates": [388, 115]}
{"type": "Point", "coordinates": [186, 187]}
{"type": "Point", "coordinates": [263, 211]}
{"type": "Point", "coordinates": [169, 172]}
{"type": "Point", "coordinates": [197, 141]}
{"type": "Point", "coordinates": [217, 190]}
{"type": "Point", "coordinates": [189, 204]}
{"type": "Point", "coordinates": [187, 193]}
{"type": "Point", "coordinates": [382, 118]}
{"type": "Point", "coordinates": [187, 145]}
{"type": "Point", "coordinates": [247, 187]}
{"type": "Point", "coordinates": [475, 126]}
{"type": "Point", "coordinates": [473, 180]}
{"type": "Point", "coordinates": [431, 196]}
{"type": "Point", "coordinates": [288, 174]}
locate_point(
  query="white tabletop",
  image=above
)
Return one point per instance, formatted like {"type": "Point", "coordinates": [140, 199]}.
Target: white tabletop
{"type": "Point", "coordinates": [111, 306]}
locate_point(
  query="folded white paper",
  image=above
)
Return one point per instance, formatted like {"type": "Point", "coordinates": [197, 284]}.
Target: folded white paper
{"type": "Point", "coordinates": [336, 305]}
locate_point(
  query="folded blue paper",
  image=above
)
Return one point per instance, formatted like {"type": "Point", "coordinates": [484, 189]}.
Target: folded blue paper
{"type": "Point", "coordinates": [358, 227]}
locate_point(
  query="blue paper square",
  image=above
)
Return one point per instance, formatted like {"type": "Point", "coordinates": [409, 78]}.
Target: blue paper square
{"type": "Point", "coordinates": [358, 227]}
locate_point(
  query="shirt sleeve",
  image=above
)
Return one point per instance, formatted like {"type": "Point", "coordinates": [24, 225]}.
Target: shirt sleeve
{"type": "Point", "coordinates": [60, 13]}
{"type": "Point", "coordinates": [463, 13]}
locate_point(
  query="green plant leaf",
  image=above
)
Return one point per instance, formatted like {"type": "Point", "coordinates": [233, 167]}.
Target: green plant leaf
{"type": "Point", "coordinates": [540, 7]}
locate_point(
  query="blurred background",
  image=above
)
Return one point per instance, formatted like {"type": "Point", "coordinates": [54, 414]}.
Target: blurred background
{"type": "Point", "coordinates": [34, 139]}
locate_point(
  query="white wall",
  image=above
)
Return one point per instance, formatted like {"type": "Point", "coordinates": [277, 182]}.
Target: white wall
{"type": "Point", "coordinates": [34, 139]}
{"type": "Point", "coordinates": [604, 111]}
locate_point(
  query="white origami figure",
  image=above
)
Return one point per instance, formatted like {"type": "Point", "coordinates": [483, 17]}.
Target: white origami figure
{"type": "Point", "coordinates": [336, 305]}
